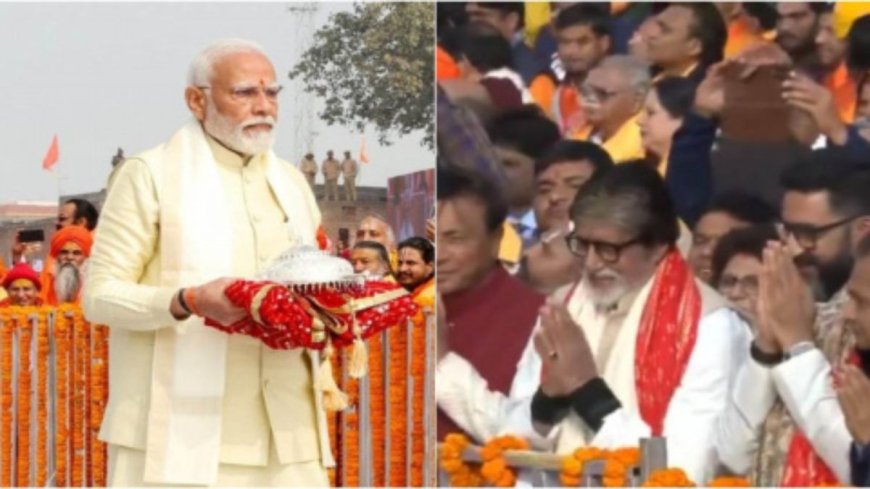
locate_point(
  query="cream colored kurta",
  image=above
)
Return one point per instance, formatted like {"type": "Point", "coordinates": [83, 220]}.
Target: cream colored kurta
{"type": "Point", "coordinates": [269, 403]}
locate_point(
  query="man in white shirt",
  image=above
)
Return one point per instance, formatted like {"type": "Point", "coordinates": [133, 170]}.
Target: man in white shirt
{"type": "Point", "coordinates": [783, 425]}
{"type": "Point", "coordinates": [638, 348]}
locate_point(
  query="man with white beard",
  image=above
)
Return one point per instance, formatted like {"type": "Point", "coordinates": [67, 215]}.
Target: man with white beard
{"type": "Point", "coordinates": [637, 348]}
{"type": "Point", "coordinates": [188, 404]}
{"type": "Point", "coordinates": [70, 249]}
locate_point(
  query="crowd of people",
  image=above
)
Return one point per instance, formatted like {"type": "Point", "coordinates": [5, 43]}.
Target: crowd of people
{"type": "Point", "coordinates": [59, 279]}
{"type": "Point", "coordinates": [653, 220]}
{"type": "Point", "coordinates": [181, 222]}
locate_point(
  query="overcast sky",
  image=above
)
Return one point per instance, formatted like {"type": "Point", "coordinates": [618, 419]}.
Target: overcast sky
{"type": "Point", "coordinates": [109, 75]}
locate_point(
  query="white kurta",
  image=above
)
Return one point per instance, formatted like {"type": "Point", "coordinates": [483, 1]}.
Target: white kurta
{"type": "Point", "coordinates": [804, 385]}
{"type": "Point", "coordinates": [722, 343]}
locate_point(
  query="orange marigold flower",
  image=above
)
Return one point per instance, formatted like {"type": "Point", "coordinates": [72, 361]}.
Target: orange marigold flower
{"type": "Point", "coordinates": [571, 466]}
{"type": "Point", "coordinates": [729, 482]}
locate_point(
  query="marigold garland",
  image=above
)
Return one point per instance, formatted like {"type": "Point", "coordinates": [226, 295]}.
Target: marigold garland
{"type": "Point", "coordinates": [729, 482]}
{"type": "Point", "coordinates": [6, 337]}
{"type": "Point", "coordinates": [460, 473]}
{"type": "Point", "coordinates": [377, 408]}
{"type": "Point", "coordinates": [495, 469]}
{"type": "Point", "coordinates": [42, 398]}
{"type": "Point", "coordinates": [418, 375]}
{"type": "Point", "coordinates": [77, 477]}
{"type": "Point", "coordinates": [24, 399]}
{"type": "Point", "coordinates": [350, 427]}
{"type": "Point", "coordinates": [397, 338]}
{"type": "Point", "coordinates": [672, 477]}
{"type": "Point", "coordinates": [62, 335]}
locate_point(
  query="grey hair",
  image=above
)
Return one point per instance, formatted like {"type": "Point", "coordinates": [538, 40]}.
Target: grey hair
{"type": "Point", "coordinates": [202, 67]}
{"type": "Point", "coordinates": [628, 209]}
{"type": "Point", "coordinates": [391, 236]}
{"type": "Point", "coordinates": [633, 68]}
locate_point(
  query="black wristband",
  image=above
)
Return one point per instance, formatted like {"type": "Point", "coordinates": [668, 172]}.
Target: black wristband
{"type": "Point", "coordinates": [764, 358]}
{"type": "Point", "coordinates": [183, 303]}
{"type": "Point", "coordinates": [593, 402]}
{"type": "Point", "coordinates": [549, 410]}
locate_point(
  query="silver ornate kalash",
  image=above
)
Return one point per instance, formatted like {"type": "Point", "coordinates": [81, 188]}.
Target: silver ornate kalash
{"type": "Point", "coordinates": [305, 269]}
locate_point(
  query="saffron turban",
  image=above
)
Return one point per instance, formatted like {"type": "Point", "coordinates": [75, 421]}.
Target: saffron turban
{"type": "Point", "coordinates": [22, 271]}
{"type": "Point", "coordinates": [75, 234]}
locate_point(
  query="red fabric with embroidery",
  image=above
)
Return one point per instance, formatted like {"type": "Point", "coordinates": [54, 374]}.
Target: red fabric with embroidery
{"type": "Point", "coordinates": [286, 318]}
{"type": "Point", "coordinates": [666, 338]}
{"type": "Point", "coordinates": [803, 467]}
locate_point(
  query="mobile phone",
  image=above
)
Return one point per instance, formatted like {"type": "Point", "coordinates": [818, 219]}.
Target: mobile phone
{"type": "Point", "coordinates": [755, 109]}
{"type": "Point", "coordinates": [31, 236]}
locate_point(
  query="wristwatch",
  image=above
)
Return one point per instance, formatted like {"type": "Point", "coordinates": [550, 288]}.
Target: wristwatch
{"type": "Point", "coordinates": [799, 348]}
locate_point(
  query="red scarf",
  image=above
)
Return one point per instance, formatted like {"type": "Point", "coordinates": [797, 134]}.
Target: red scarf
{"type": "Point", "coordinates": [666, 338]}
{"type": "Point", "coordinates": [803, 467]}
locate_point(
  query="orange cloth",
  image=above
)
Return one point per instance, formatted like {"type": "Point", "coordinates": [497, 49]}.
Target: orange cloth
{"type": "Point", "coordinates": [571, 118]}
{"type": "Point", "coordinates": [740, 37]}
{"type": "Point", "coordinates": [77, 234]}
{"type": "Point", "coordinates": [424, 296]}
{"type": "Point", "coordinates": [845, 92]}
{"type": "Point", "coordinates": [445, 67]}
{"type": "Point", "coordinates": [543, 88]}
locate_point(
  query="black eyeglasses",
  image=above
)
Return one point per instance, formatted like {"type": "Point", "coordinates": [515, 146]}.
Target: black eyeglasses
{"type": "Point", "coordinates": [608, 252]}
{"type": "Point", "coordinates": [808, 235]}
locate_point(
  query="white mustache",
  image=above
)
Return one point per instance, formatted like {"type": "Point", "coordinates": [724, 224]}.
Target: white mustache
{"type": "Point", "coordinates": [606, 273]}
{"type": "Point", "coordinates": [268, 120]}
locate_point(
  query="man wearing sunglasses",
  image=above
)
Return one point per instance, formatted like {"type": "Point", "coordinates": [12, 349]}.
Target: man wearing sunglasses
{"type": "Point", "coordinates": [189, 405]}
{"type": "Point", "coordinates": [783, 425]}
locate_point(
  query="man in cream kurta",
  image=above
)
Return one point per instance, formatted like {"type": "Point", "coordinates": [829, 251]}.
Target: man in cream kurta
{"type": "Point", "coordinates": [609, 335]}
{"type": "Point", "coordinates": [240, 414]}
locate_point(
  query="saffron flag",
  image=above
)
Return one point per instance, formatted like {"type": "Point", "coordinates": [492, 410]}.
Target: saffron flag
{"type": "Point", "coordinates": [51, 157]}
{"type": "Point", "coordinates": [363, 157]}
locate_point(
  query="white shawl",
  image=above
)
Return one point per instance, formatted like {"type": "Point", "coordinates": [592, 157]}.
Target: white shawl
{"type": "Point", "coordinates": [188, 373]}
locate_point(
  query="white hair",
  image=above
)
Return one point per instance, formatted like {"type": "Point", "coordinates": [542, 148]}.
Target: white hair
{"type": "Point", "coordinates": [633, 68]}
{"type": "Point", "coordinates": [202, 66]}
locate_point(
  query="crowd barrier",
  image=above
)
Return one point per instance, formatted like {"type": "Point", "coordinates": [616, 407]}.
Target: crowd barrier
{"type": "Point", "coordinates": [53, 391]}
{"type": "Point", "coordinates": [386, 437]}
{"type": "Point", "coordinates": [54, 387]}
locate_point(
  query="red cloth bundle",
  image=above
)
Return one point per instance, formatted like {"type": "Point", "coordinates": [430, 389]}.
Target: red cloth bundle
{"type": "Point", "coordinates": [283, 319]}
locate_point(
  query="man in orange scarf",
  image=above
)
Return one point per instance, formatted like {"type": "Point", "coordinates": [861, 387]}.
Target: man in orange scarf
{"type": "Point", "coordinates": [70, 248]}
{"type": "Point", "coordinates": [783, 425]}
{"type": "Point", "coordinates": [831, 46]}
{"type": "Point", "coordinates": [637, 348]}
{"type": "Point", "coordinates": [22, 284]}
{"type": "Point", "coordinates": [583, 40]}
{"type": "Point", "coordinates": [417, 268]}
